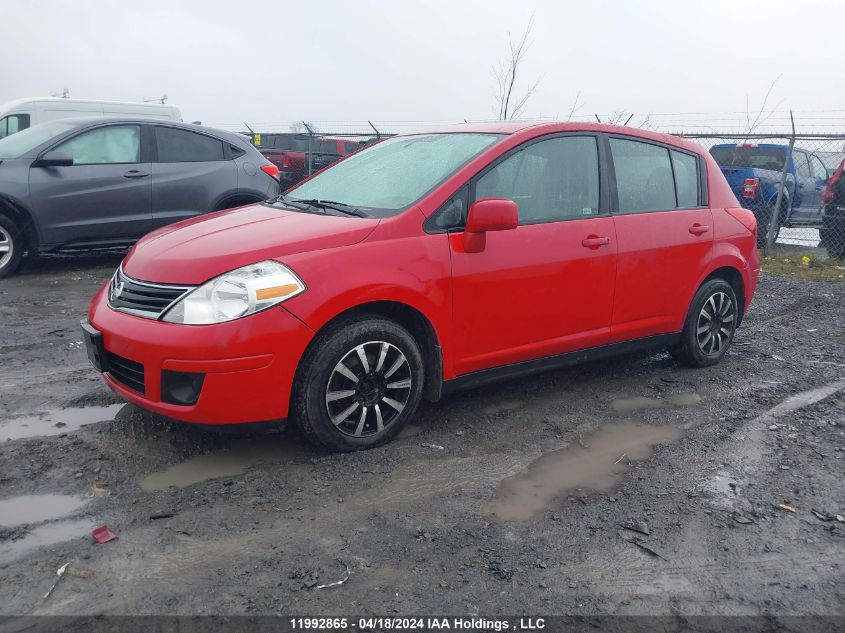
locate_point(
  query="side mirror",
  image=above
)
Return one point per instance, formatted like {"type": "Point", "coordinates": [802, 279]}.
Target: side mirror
{"type": "Point", "coordinates": [55, 158]}
{"type": "Point", "coordinates": [489, 214]}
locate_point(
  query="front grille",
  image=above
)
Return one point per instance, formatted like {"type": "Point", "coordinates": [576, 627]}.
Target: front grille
{"type": "Point", "coordinates": [126, 371]}
{"type": "Point", "coordinates": [142, 298]}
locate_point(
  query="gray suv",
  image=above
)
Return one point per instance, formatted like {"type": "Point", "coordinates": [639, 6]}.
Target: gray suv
{"type": "Point", "coordinates": [93, 183]}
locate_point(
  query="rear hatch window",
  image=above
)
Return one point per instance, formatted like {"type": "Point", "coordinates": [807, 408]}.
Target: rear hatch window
{"type": "Point", "coordinates": [744, 157]}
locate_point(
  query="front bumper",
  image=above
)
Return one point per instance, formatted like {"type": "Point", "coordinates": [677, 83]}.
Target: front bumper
{"type": "Point", "coordinates": [248, 365]}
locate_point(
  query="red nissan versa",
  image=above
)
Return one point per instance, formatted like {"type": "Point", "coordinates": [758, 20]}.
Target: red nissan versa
{"type": "Point", "coordinates": [427, 263]}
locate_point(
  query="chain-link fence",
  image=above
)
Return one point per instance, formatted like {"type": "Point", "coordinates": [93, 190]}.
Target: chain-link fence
{"type": "Point", "coordinates": [799, 175]}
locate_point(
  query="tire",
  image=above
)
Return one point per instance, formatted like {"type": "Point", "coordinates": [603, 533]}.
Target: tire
{"type": "Point", "coordinates": [345, 402]}
{"type": "Point", "coordinates": [12, 246]}
{"type": "Point", "coordinates": [715, 307]}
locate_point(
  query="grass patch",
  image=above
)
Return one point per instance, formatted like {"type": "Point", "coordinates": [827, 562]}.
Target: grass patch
{"type": "Point", "coordinates": [803, 265]}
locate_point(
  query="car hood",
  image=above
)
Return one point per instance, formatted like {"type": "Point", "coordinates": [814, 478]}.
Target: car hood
{"type": "Point", "coordinates": [193, 251]}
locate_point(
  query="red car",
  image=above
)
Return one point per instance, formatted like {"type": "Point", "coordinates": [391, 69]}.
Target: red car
{"type": "Point", "coordinates": [427, 263]}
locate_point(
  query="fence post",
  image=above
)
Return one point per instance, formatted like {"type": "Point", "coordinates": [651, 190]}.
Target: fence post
{"type": "Point", "coordinates": [771, 233]}
{"type": "Point", "coordinates": [310, 147]}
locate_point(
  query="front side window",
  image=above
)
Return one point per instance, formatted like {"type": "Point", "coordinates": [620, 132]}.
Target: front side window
{"type": "Point", "coordinates": [181, 146]}
{"type": "Point", "coordinates": [685, 168]}
{"type": "Point", "coordinates": [819, 170]}
{"type": "Point", "coordinates": [643, 176]}
{"type": "Point", "coordinates": [395, 173]}
{"type": "Point", "coordinates": [115, 144]}
{"type": "Point", "coordinates": [551, 180]}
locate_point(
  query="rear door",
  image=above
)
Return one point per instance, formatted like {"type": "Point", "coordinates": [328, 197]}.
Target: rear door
{"type": "Point", "coordinates": [546, 287]}
{"type": "Point", "coordinates": [104, 197]}
{"type": "Point", "coordinates": [192, 173]}
{"type": "Point", "coordinates": [665, 236]}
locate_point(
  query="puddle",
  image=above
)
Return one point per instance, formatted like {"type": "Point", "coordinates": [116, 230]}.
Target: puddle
{"type": "Point", "coordinates": [44, 535]}
{"type": "Point", "coordinates": [600, 467]}
{"type": "Point", "coordinates": [37, 508]}
{"type": "Point", "coordinates": [56, 421]}
{"type": "Point", "coordinates": [242, 455]}
{"type": "Point", "coordinates": [630, 405]}
{"type": "Point", "coordinates": [723, 484]}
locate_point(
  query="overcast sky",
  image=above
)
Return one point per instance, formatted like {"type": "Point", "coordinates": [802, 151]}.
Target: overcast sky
{"type": "Point", "coordinates": [276, 61]}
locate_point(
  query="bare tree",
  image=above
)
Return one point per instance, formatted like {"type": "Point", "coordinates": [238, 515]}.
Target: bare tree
{"type": "Point", "coordinates": [577, 104]}
{"type": "Point", "coordinates": [296, 127]}
{"type": "Point", "coordinates": [507, 73]}
{"type": "Point", "coordinates": [762, 116]}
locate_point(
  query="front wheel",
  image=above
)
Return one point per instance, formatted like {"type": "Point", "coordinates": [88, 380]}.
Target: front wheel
{"type": "Point", "coordinates": [358, 384]}
{"type": "Point", "coordinates": [710, 325]}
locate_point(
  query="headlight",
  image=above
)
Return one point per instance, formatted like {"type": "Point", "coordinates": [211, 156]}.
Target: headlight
{"type": "Point", "coordinates": [236, 294]}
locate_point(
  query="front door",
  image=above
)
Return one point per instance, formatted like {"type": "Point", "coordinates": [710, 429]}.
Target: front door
{"type": "Point", "coordinates": [546, 287]}
{"type": "Point", "coordinates": [103, 198]}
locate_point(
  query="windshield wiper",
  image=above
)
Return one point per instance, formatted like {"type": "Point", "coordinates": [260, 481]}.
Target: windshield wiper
{"type": "Point", "coordinates": [301, 205]}
{"type": "Point", "coordinates": [336, 206]}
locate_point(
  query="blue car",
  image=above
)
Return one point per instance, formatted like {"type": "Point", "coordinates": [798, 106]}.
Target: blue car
{"type": "Point", "coordinates": [753, 172]}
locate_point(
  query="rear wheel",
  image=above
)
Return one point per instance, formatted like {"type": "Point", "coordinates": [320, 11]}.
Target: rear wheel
{"type": "Point", "coordinates": [11, 247]}
{"type": "Point", "coordinates": [710, 325]}
{"type": "Point", "coordinates": [358, 384]}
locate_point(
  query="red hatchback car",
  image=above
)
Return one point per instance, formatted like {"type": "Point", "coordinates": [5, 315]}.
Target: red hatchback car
{"type": "Point", "coordinates": [424, 264]}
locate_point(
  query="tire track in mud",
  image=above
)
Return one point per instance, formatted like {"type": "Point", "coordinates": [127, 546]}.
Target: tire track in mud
{"type": "Point", "coordinates": [628, 571]}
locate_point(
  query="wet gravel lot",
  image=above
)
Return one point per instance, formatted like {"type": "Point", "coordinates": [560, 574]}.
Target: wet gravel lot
{"type": "Point", "coordinates": [630, 486]}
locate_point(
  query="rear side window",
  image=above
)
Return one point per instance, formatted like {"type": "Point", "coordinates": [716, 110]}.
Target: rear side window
{"type": "Point", "coordinates": [685, 168]}
{"type": "Point", "coordinates": [551, 180]}
{"type": "Point", "coordinates": [643, 176]}
{"type": "Point", "coordinates": [105, 145]}
{"type": "Point", "coordinates": [181, 146]}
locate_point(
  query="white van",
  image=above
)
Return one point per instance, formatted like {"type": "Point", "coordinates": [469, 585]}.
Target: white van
{"type": "Point", "coordinates": [23, 113]}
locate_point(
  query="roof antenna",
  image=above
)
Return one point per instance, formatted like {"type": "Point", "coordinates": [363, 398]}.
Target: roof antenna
{"type": "Point", "coordinates": [628, 119]}
{"type": "Point", "coordinates": [597, 118]}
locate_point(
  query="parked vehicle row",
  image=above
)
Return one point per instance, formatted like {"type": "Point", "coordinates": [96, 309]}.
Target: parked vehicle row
{"type": "Point", "coordinates": [296, 154]}
{"type": "Point", "coordinates": [754, 172]}
{"type": "Point", "coordinates": [102, 182]}
{"type": "Point", "coordinates": [425, 264]}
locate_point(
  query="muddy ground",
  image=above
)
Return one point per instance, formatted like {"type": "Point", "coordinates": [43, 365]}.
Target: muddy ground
{"type": "Point", "coordinates": [504, 500]}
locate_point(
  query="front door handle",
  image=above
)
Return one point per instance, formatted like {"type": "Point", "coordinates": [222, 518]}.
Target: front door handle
{"type": "Point", "coordinates": [594, 241]}
{"type": "Point", "coordinates": [699, 229]}
{"type": "Point", "coordinates": [134, 173]}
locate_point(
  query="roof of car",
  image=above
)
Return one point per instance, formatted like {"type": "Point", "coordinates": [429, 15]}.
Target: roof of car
{"type": "Point", "coordinates": [535, 128]}
{"type": "Point", "coordinates": [87, 120]}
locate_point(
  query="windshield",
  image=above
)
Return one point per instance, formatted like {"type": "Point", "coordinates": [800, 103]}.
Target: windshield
{"type": "Point", "coordinates": [17, 145]}
{"type": "Point", "coordinates": [749, 157]}
{"type": "Point", "coordinates": [395, 173]}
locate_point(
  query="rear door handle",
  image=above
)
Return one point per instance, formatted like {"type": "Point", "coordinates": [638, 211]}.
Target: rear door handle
{"type": "Point", "coordinates": [594, 241]}
{"type": "Point", "coordinates": [699, 229]}
{"type": "Point", "coordinates": [134, 173]}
